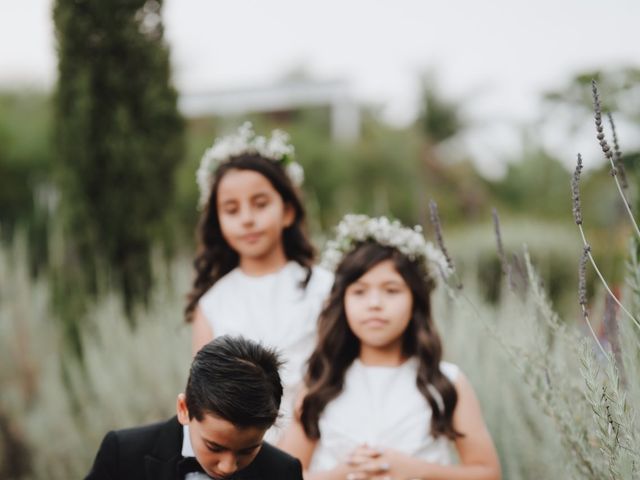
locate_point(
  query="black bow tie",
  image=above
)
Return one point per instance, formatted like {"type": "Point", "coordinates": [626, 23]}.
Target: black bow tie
{"type": "Point", "coordinates": [189, 465]}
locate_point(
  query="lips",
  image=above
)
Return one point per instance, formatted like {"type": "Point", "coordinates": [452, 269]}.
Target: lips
{"type": "Point", "coordinates": [251, 237]}
{"type": "Point", "coordinates": [375, 322]}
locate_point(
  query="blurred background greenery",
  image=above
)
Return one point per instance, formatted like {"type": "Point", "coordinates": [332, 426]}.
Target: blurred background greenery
{"type": "Point", "coordinates": [97, 221]}
{"type": "Point", "coordinates": [386, 170]}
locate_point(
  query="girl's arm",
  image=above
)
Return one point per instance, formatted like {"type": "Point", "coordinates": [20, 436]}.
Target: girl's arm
{"type": "Point", "coordinates": [296, 443]}
{"type": "Point", "coordinates": [201, 331]}
{"type": "Point", "coordinates": [478, 457]}
{"type": "Point", "coordinates": [476, 450]}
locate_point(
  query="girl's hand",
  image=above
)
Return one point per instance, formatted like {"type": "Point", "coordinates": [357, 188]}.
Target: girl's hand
{"type": "Point", "coordinates": [400, 466]}
{"type": "Point", "coordinates": [363, 454]}
{"type": "Point", "coordinates": [364, 463]}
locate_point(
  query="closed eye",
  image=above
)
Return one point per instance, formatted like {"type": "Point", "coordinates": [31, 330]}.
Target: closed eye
{"type": "Point", "coordinates": [261, 200]}
{"type": "Point", "coordinates": [219, 449]}
{"type": "Point", "coordinates": [228, 206]}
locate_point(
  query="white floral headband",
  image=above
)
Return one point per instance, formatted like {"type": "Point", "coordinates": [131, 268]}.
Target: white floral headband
{"type": "Point", "coordinates": [245, 140]}
{"type": "Point", "coordinates": [354, 229]}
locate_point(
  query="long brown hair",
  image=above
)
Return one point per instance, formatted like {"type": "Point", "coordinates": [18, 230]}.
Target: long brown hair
{"type": "Point", "coordinates": [338, 347]}
{"type": "Point", "coordinates": [215, 257]}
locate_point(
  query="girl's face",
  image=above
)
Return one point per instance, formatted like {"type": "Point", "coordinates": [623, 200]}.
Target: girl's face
{"type": "Point", "coordinates": [252, 214]}
{"type": "Point", "coordinates": [378, 307]}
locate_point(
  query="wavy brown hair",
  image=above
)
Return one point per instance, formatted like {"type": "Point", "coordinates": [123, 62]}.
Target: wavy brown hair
{"type": "Point", "coordinates": [338, 347]}
{"type": "Point", "coordinates": [215, 257]}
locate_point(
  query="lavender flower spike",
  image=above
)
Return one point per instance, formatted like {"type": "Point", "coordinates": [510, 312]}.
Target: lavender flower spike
{"type": "Point", "coordinates": [598, 119]}
{"type": "Point", "coordinates": [575, 192]}
{"type": "Point", "coordinates": [582, 276]}
{"type": "Point", "coordinates": [617, 154]}
{"type": "Point", "coordinates": [435, 220]}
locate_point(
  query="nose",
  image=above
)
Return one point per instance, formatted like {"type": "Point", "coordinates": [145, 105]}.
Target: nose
{"type": "Point", "coordinates": [246, 215]}
{"type": "Point", "coordinates": [228, 464]}
{"type": "Point", "coordinates": [374, 299]}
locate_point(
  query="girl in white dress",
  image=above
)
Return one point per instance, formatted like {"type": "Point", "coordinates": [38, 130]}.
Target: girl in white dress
{"type": "Point", "coordinates": [379, 402]}
{"type": "Point", "coordinates": [254, 273]}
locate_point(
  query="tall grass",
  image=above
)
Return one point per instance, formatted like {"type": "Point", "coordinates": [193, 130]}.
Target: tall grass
{"type": "Point", "coordinates": [586, 386]}
{"type": "Point", "coordinates": [557, 407]}
{"type": "Point", "coordinates": [56, 409]}
{"type": "Point", "coordinates": [522, 360]}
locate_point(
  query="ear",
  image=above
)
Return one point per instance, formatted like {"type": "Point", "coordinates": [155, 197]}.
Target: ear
{"type": "Point", "coordinates": [182, 410]}
{"type": "Point", "coordinates": [289, 215]}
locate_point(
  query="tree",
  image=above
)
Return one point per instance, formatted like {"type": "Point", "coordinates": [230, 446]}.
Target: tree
{"type": "Point", "coordinates": [26, 193]}
{"type": "Point", "coordinates": [439, 119]}
{"type": "Point", "coordinates": [451, 180]}
{"type": "Point", "coordinates": [118, 138]}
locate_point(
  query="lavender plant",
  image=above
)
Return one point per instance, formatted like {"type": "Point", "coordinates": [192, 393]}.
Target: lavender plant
{"type": "Point", "coordinates": [590, 394]}
{"type": "Point", "coordinates": [587, 390]}
{"type": "Point", "coordinates": [58, 410]}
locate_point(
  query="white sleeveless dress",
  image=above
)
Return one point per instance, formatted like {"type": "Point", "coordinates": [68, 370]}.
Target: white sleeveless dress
{"type": "Point", "coordinates": [274, 310]}
{"type": "Point", "coordinates": [380, 407]}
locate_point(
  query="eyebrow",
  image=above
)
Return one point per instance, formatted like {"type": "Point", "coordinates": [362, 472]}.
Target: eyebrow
{"type": "Point", "coordinates": [384, 283]}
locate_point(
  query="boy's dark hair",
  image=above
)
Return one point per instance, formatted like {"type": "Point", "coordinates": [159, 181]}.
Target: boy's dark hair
{"type": "Point", "coordinates": [237, 380]}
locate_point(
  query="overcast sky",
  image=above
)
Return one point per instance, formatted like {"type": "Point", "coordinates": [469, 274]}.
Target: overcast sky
{"type": "Point", "coordinates": [495, 56]}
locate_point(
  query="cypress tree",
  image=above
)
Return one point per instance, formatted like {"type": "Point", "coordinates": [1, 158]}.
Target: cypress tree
{"type": "Point", "coordinates": [118, 138]}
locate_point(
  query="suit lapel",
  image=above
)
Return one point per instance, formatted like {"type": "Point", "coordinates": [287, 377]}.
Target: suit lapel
{"type": "Point", "coordinates": [160, 470]}
{"type": "Point", "coordinates": [162, 463]}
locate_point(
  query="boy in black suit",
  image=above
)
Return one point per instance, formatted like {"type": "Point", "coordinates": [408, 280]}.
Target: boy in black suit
{"type": "Point", "coordinates": [232, 398]}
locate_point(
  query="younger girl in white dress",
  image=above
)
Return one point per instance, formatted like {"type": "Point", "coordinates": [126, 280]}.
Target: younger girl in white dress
{"type": "Point", "coordinates": [254, 267]}
{"type": "Point", "coordinates": [379, 401]}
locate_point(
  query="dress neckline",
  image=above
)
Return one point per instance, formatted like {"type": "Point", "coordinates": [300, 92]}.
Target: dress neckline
{"type": "Point", "coordinates": [266, 276]}
{"type": "Point", "coordinates": [408, 362]}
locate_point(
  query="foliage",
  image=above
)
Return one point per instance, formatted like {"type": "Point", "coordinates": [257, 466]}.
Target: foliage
{"type": "Point", "coordinates": [54, 409]}
{"type": "Point", "coordinates": [622, 85]}
{"type": "Point", "coordinates": [26, 191]}
{"type": "Point", "coordinates": [569, 109]}
{"type": "Point", "coordinates": [523, 361]}
{"type": "Point", "coordinates": [118, 139]}
{"type": "Point", "coordinates": [536, 175]}
{"type": "Point", "coordinates": [594, 411]}
{"type": "Point", "coordinates": [439, 119]}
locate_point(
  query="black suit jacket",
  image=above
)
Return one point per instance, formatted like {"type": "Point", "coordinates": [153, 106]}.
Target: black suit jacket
{"type": "Point", "coordinates": [152, 452]}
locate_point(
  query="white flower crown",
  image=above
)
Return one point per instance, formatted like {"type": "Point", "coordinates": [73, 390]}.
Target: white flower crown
{"type": "Point", "coordinates": [245, 140]}
{"type": "Point", "coordinates": [354, 229]}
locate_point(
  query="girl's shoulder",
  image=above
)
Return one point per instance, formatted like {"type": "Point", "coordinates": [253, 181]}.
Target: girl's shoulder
{"type": "Point", "coordinates": [450, 370]}
{"type": "Point", "coordinates": [321, 279]}
{"type": "Point", "coordinates": [320, 282]}
{"type": "Point", "coordinates": [219, 288]}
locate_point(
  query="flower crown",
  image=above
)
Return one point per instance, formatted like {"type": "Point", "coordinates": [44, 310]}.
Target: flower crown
{"type": "Point", "coordinates": [245, 140]}
{"type": "Point", "coordinates": [354, 229]}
